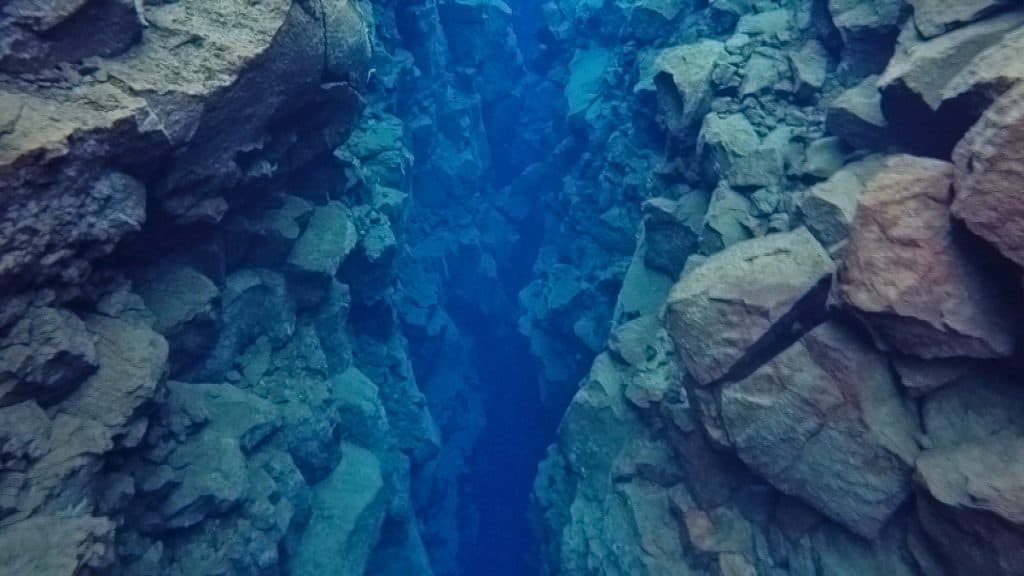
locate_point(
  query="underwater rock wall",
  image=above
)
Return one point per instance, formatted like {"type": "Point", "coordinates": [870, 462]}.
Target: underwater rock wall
{"type": "Point", "coordinates": [814, 362]}
{"type": "Point", "coordinates": [227, 340]}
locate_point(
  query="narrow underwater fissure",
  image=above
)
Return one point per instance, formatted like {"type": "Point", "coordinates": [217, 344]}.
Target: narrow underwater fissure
{"type": "Point", "coordinates": [517, 423]}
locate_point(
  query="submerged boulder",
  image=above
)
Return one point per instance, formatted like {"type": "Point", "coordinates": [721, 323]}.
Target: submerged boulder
{"type": "Point", "coordinates": [746, 300]}
{"type": "Point", "coordinates": [910, 278]}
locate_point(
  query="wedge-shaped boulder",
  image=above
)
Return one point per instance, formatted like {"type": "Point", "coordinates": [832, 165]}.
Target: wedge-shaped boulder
{"type": "Point", "coordinates": [911, 279]}
{"type": "Point", "coordinates": [823, 421]}
{"type": "Point", "coordinates": [744, 300]}
{"type": "Point", "coordinates": [990, 176]}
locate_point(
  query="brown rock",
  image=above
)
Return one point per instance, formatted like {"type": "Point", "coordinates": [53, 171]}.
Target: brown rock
{"type": "Point", "coordinates": [914, 284]}
{"type": "Point", "coordinates": [990, 176]}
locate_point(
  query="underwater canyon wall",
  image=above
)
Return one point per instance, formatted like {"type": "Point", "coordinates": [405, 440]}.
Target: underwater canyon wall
{"type": "Point", "coordinates": [813, 363]}
{"type": "Point", "coordinates": [232, 343]}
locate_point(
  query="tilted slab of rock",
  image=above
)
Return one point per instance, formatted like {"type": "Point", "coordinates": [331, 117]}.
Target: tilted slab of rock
{"type": "Point", "coordinates": [914, 83]}
{"type": "Point", "coordinates": [916, 285]}
{"type": "Point", "coordinates": [823, 421]}
{"type": "Point", "coordinates": [990, 176]}
{"type": "Point", "coordinates": [934, 17]}
{"type": "Point", "coordinates": [746, 298]}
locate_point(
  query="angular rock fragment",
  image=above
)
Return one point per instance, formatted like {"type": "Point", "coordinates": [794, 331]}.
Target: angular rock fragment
{"type": "Point", "coordinates": [728, 220]}
{"type": "Point", "coordinates": [722, 141]}
{"type": "Point", "coordinates": [935, 17]}
{"type": "Point", "coordinates": [856, 116]}
{"type": "Point", "coordinates": [583, 89]}
{"type": "Point", "coordinates": [907, 275]}
{"type": "Point", "coordinates": [809, 67]}
{"type": "Point", "coordinates": [976, 407]}
{"type": "Point", "coordinates": [962, 537]}
{"type": "Point", "coordinates": [823, 421]}
{"type": "Point", "coordinates": [992, 72]}
{"type": "Point", "coordinates": [183, 303]}
{"type": "Point", "coordinates": [970, 479]}
{"type": "Point", "coordinates": [990, 176]}
{"type": "Point", "coordinates": [24, 435]}
{"type": "Point", "coordinates": [745, 301]}
{"type": "Point", "coordinates": [920, 377]}
{"type": "Point", "coordinates": [828, 208]}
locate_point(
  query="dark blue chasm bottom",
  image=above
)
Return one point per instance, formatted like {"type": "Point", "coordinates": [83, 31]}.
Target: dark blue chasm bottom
{"type": "Point", "coordinates": [519, 428]}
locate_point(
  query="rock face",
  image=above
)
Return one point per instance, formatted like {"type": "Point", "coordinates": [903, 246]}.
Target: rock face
{"type": "Point", "coordinates": [918, 289]}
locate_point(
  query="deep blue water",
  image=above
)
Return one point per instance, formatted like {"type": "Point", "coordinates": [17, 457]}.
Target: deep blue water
{"type": "Point", "coordinates": [519, 426]}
